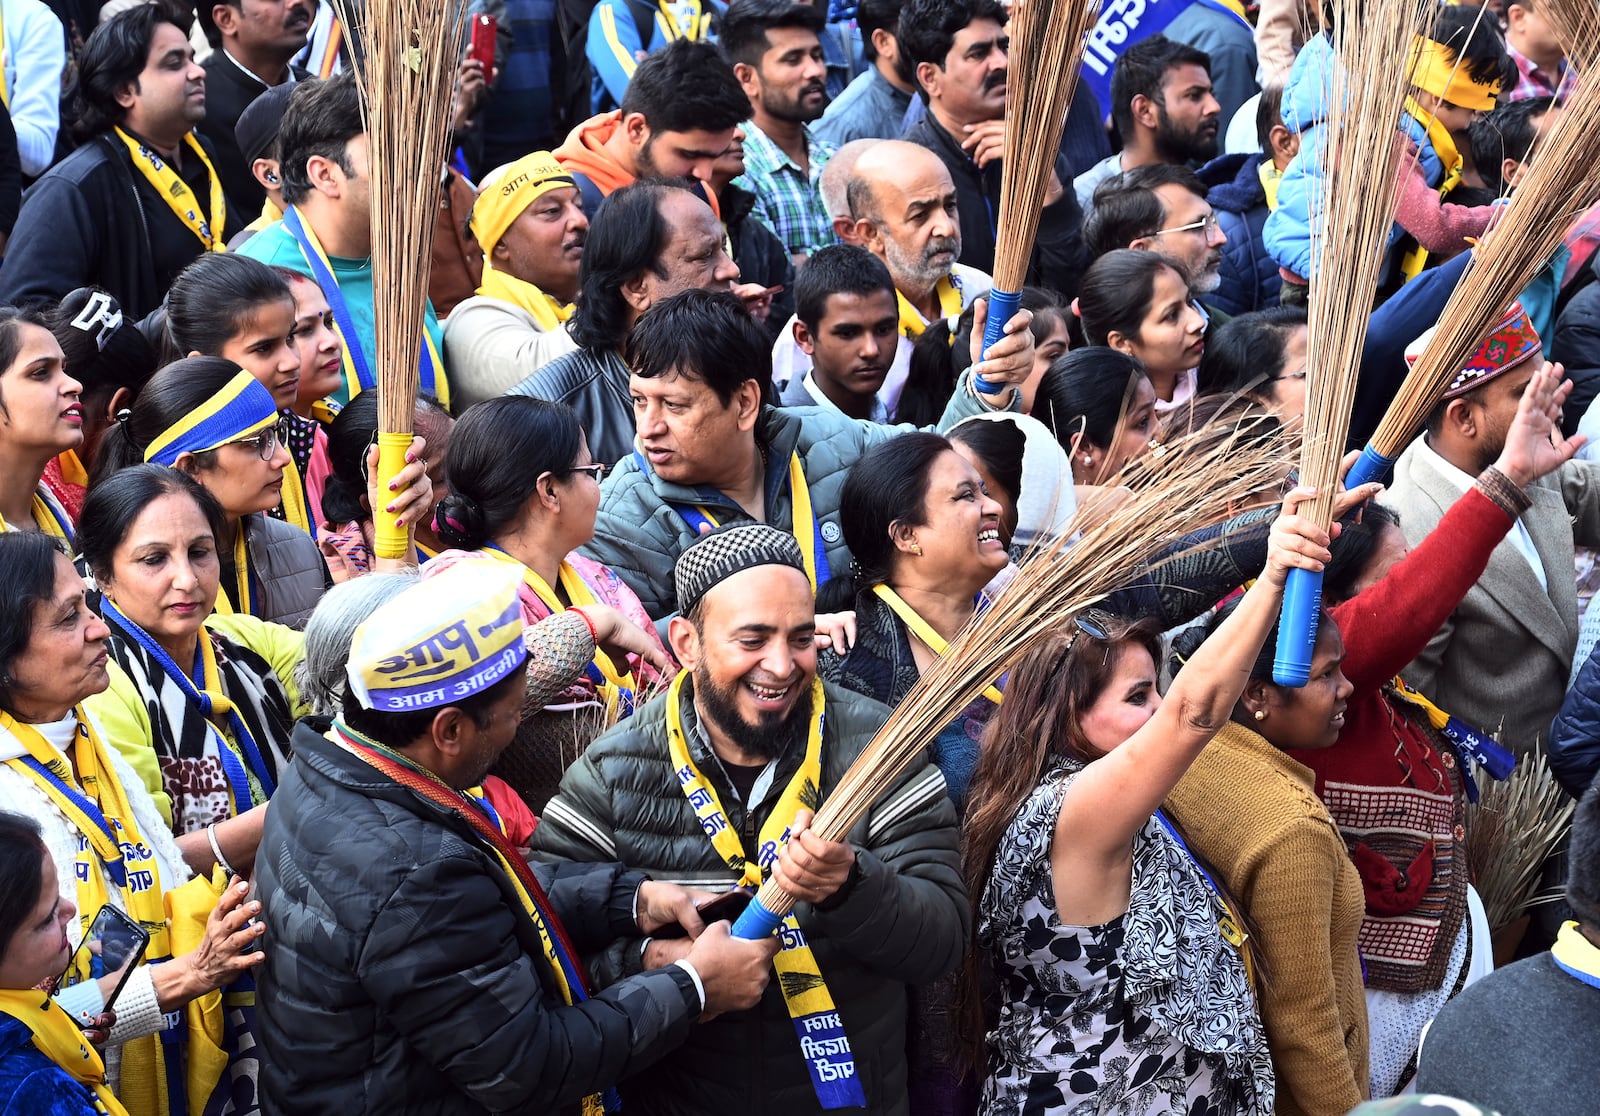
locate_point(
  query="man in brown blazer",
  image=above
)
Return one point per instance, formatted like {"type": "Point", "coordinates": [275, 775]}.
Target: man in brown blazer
{"type": "Point", "coordinates": [1502, 660]}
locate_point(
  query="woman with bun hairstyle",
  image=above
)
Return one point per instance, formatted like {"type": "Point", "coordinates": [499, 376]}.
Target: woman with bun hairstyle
{"type": "Point", "coordinates": [112, 361]}
{"type": "Point", "coordinates": [1138, 303]}
{"type": "Point", "coordinates": [41, 417]}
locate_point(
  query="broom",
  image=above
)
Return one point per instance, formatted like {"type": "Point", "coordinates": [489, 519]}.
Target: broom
{"type": "Point", "coordinates": [1047, 40]}
{"type": "Point", "coordinates": [1350, 223]}
{"type": "Point", "coordinates": [1207, 474]}
{"type": "Point", "coordinates": [412, 48]}
{"type": "Point", "coordinates": [1511, 831]}
{"type": "Point", "coordinates": [1560, 184]}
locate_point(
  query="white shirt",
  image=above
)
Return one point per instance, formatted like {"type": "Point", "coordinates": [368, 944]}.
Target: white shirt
{"type": "Point", "coordinates": [35, 56]}
{"type": "Point", "coordinates": [1518, 536]}
{"type": "Point", "coordinates": [880, 413]}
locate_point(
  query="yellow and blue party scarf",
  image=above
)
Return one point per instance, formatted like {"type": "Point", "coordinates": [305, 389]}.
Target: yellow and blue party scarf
{"type": "Point", "coordinates": [948, 292]}
{"type": "Point", "coordinates": [823, 1042]}
{"type": "Point", "coordinates": [242, 761]}
{"type": "Point", "coordinates": [175, 191]}
{"type": "Point", "coordinates": [358, 374]}
{"type": "Point", "coordinates": [807, 528]}
{"type": "Point", "coordinates": [615, 684]}
{"type": "Point", "coordinates": [48, 515]}
{"type": "Point", "coordinates": [557, 948]}
{"type": "Point", "coordinates": [56, 1036]}
{"type": "Point", "coordinates": [109, 843]}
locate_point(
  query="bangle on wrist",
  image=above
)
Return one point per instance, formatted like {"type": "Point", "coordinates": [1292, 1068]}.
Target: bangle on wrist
{"type": "Point", "coordinates": [1506, 494]}
{"type": "Point", "coordinates": [216, 850]}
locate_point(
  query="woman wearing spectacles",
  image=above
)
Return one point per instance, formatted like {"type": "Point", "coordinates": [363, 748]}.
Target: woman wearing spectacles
{"type": "Point", "coordinates": [1261, 354]}
{"type": "Point", "coordinates": [1122, 973]}
{"type": "Point", "coordinates": [524, 490]}
{"type": "Point", "coordinates": [1139, 304]}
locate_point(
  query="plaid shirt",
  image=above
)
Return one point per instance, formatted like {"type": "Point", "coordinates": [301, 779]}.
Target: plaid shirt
{"type": "Point", "coordinates": [1534, 81]}
{"type": "Point", "coordinates": [787, 200]}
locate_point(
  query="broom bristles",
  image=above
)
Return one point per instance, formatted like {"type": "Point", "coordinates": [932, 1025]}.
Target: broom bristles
{"type": "Point", "coordinates": [412, 49]}
{"type": "Point", "coordinates": [1208, 474]}
{"type": "Point", "coordinates": [1559, 185]}
{"type": "Point", "coordinates": [1352, 218]}
{"type": "Point", "coordinates": [1511, 832]}
{"type": "Point", "coordinates": [1047, 38]}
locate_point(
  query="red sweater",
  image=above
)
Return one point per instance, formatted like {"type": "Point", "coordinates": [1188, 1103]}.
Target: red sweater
{"type": "Point", "coordinates": [1384, 782]}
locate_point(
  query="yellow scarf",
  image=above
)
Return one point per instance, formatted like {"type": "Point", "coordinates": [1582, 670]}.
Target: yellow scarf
{"type": "Point", "coordinates": [804, 529]}
{"type": "Point", "coordinates": [805, 991]}
{"type": "Point", "coordinates": [924, 631]}
{"type": "Point", "coordinates": [244, 603]}
{"type": "Point", "coordinates": [618, 685]}
{"type": "Point", "coordinates": [911, 321]}
{"type": "Point", "coordinates": [1444, 146]}
{"type": "Point", "coordinates": [48, 515]}
{"type": "Point", "coordinates": [180, 199]}
{"type": "Point", "coordinates": [1271, 177]}
{"type": "Point", "coordinates": [56, 1036]}
{"type": "Point", "coordinates": [547, 313]}
{"type": "Point", "coordinates": [109, 843]}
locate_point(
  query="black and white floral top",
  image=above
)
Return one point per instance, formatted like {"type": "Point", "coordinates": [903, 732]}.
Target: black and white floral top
{"type": "Point", "coordinates": [1149, 1013]}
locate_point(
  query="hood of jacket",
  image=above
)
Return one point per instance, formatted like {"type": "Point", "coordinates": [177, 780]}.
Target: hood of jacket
{"type": "Point", "coordinates": [1305, 95]}
{"type": "Point", "coordinates": [1046, 498]}
{"type": "Point", "coordinates": [584, 152]}
{"type": "Point", "coordinates": [1234, 182]}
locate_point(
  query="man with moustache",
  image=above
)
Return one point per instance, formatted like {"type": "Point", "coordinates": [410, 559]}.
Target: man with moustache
{"type": "Point", "coordinates": [529, 220]}
{"type": "Point", "coordinates": [777, 57]}
{"type": "Point", "coordinates": [957, 51]}
{"type": "Point", "coordinates": [904, 209]}
{"type": "Point", "coordinates": [255, 40]}
{"type": "Point", "coordinates": [1160, 207]}
{"type": "Point", "coordinates": [140, 199]}
{"type": "Point", "coordinates": [1162, 107]}
{"type": "Point", "coordinates": [713, 785]}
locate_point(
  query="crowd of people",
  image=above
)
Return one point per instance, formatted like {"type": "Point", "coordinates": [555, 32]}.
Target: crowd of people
{"type": "Point", "coordinates": [711, 467]}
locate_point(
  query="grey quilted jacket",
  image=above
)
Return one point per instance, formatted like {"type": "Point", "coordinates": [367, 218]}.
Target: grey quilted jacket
{"type": "Point", "coordinates": [903, 921]}
{"type": "Point", "coordinates": [404, 976]}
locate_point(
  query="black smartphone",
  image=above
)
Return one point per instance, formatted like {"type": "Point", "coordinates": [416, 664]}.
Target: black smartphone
{"type": "Point", "coordinates": [724, 908]}
{"type": "Point", "coordinates": [113, 948]}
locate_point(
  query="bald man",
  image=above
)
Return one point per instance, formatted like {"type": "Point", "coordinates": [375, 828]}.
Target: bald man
{"type": "Point", "coordinates": [834, 186]}
{"type": "Point", "coordinates": [901, 206]}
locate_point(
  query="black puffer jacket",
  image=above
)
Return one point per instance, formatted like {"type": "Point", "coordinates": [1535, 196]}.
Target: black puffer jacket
{"type": "Point", "coordinates": [1574, 748]}
{"type": "Point", "coordinates": [904, 920]}
{"type": "Point", "coordinates": [404, 976]}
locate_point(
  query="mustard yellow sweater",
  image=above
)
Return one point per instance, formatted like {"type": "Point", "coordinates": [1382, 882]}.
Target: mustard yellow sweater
{"type": "Point", "coordinates": [1252, 813]}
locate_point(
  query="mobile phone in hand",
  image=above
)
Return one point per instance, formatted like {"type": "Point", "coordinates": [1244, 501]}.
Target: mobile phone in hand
{"type": "Point", "coordinates": [109, 952]}
{"type": "Point", "coordinates": [724, 908]}
{"type": "Point", "coordinates": [483, 34]}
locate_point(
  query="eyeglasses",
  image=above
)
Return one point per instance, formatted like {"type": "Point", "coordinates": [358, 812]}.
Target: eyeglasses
{"type": "Point", "coordinates": [597, 470]}
{"type": "Point", "coordinates": [1206, 224]}
{"type": "Point", "coordinates": [265, 443]}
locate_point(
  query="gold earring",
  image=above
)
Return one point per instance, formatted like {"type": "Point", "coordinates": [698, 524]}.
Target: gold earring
{"type": "Point", "coordinates": [1261, 714]}
{"type": "Point", "coordinates": [916, 548]}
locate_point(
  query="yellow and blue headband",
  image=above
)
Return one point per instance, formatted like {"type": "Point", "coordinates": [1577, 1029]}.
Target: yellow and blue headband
{"type": "Point", "coordinates": [1436, 69]}
{"type": "Point", "coordinates": [442, 641]}
{"type": "Point", "coordinates": [243, 407]}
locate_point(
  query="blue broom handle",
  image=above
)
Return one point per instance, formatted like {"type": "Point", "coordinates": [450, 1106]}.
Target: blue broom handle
{"type": "Point", "coordinates": [1297, 628]}
{"type": "Point", "coordinates": [1003, 306]}
{"type": "Point", "coordinates": [756, 922]}
{"type": "Point", "coordinates": [1370, 466]}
